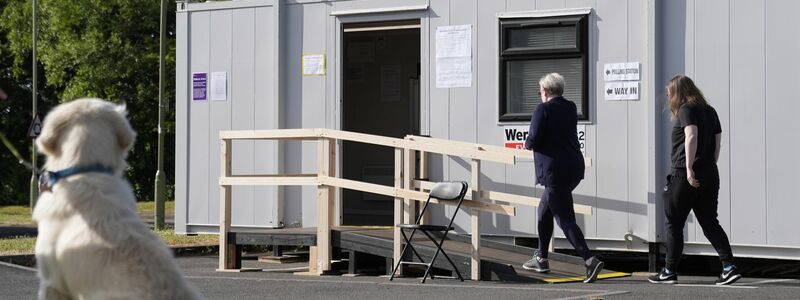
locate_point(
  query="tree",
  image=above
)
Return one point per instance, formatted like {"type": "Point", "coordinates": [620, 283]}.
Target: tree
{"type": "Point", "coordinates": [106, 49]}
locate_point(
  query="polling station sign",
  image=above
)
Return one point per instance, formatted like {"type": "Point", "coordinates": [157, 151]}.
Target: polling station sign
{"type": "Point", "coordinates": [622, 71]}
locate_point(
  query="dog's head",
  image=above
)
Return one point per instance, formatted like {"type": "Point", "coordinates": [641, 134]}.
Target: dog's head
{"type": "Point", "coordinates": [86, 131]}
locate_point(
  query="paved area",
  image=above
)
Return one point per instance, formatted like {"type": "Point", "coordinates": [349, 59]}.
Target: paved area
{"type": "Point", "coordinates": [279, 282]}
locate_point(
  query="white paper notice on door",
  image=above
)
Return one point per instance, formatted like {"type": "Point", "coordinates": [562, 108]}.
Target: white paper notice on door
{"type": "Point", "coordinates": [219, 86]}
{"type": "Point", "coordinates": [454, 56]}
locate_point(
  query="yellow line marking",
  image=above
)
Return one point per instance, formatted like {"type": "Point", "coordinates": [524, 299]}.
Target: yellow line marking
{"type": "Point", "coordinates": [581, 278]}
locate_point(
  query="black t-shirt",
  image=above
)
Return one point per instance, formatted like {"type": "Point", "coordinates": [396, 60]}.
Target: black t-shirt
{"type": "Point", "coordinates": [707, 122]}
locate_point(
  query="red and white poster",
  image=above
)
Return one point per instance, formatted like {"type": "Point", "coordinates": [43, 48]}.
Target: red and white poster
{"type": "Point", "coordinates": [515, 136]}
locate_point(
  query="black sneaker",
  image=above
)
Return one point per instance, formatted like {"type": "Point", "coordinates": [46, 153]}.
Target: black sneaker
{"type": "Point", "coordinates": [593, 268]}
{"type": "Point", "coordinates": [664, 277]}
{"type": "Point", "coordinates": [728, 277]}
{"type": "Point", "coordinates": [537, 263]}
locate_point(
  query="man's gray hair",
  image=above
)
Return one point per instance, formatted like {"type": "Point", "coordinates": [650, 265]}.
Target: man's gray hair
{"type": "Point", "coordinates": [553, 83]}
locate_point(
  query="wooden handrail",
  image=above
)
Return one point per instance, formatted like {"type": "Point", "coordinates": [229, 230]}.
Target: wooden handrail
{"type": "Point", "coordinates": [517, 153]}
{"type": "Point", "coordinates": [411, 195]}
{"type": "Point", "coordinates": [404, 190]}
{"type": "Point", "coordinates": [505, 197]}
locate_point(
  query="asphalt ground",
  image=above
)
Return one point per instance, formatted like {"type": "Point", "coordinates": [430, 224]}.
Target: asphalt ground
{"type": "Point", "coordinates": [278, 281]}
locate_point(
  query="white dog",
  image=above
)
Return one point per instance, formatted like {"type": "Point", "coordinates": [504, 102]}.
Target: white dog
{"type": "Point", "coordinates": [91, 243]}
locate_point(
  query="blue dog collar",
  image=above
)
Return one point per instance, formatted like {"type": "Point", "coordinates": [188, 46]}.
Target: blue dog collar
{"type": "Point", "coordinates": [48, 179]}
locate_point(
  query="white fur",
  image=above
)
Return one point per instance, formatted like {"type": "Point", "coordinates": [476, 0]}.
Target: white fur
{"type": "Point", "coordinates": [91, 242]}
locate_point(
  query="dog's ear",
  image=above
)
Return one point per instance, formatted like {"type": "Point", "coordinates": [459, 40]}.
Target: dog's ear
{"type": "Point", "coordinates": [122, 128]}
{"type": "Point", "coordinates": [48, 139]}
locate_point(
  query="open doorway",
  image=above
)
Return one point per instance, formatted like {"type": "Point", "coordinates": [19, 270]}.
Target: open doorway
{"type": "Point", "coordinates": [380, 95]}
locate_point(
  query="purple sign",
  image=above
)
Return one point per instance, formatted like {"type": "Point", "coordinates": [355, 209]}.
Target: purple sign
{"type": "Point", "coordinates": [199, 83]}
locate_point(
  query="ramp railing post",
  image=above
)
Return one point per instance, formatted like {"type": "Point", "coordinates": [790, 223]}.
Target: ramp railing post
{"type": "Point", "coordinates": [409, 163]}
{"type": "Point", "coordinates": [423, 174]}
{"type": "Point", "coordinates": [227, 248]}
{"type": "Point", "coordinates": [475, 224]}
{"type": "Point", "coordinates": [398, 208]}
{"type": "Point", "coordinates": [326, 160]}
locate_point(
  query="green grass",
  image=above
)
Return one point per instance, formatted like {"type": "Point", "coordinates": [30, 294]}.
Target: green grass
{"type": "Point", "coordinates": [15, 215]}
{"type": "Point", "coordinates": [172, 239]}
{"type": "Point", "coordinates": [17, 245]}
{"type": "Point", "coordinates": [26, 245]}
{"type": "Point", "coordinates": [150, 207]}
{"type": "Point", "coordinates": [20, 215]}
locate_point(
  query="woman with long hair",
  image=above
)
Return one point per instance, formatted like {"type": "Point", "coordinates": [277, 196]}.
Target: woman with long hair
{"type": "Point", "coordinates": [693, 183]}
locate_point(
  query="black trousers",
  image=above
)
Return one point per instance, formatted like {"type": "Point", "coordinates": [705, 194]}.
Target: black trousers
{"type": "Point", "coordinates": [557, 203]}
{"type": "Point", "coordinates": [680, 199]}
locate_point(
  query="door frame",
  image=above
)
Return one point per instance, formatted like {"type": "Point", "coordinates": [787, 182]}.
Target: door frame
{"type": "Point", "coordinates": [336, 30]}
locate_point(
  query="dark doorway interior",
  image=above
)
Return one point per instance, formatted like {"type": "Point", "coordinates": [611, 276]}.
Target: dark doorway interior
{"type": "Point", "coordinates": [380, 96]}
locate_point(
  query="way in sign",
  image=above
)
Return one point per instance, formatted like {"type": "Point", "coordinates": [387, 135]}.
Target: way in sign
{"type": "Point", "coordinates": [623, 91]}
{"type": "Point", "coordinates": [626, 90]}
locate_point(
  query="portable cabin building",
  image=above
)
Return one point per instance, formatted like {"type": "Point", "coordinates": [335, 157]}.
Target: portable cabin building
{"type": "Point", "coordinates": [468, 70]}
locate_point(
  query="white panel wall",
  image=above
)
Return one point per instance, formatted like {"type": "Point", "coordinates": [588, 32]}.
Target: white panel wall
{"type": "Point", "coordinates": [238, 42]}
{"type": "Point", "coordinates": [638, 116]}
{"type": "Point", "coordinates": [463, 101]}
{"type": "Point", "coordinates": [611, 139]}
{"type": "Point", "coordinates": [748, 123]}
{"type": "Point", "coordinates": [242, 85]}
{"type": "Point", "coordinates": [782, 146]}
{"type": "Point", "coordinates": [199, 145]}
{"type": "Point", "coordinates": [439, 112]}
{"type": "Point", "coordinates": [712, 74]}
{"type": "Point", "coordinates": [312, 101]}
{"type": "Point", "coordinates": [220, 38]}
{"type": "Point", "coordinates": [181, 121]}
{"type": "Point", "coordinates": [741, 53]}
{"type": "Point", "coordinates": [293, 51]}
{"type": "Point", "coordinates": [485, 30]}
{"type": "Point", "coordinates": [265, 207]}
{"type": "Point", "coordinates": [520, 178]}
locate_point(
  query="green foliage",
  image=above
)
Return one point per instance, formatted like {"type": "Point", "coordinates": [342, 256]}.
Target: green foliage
{"type": "Point", "coordinates": [15, 111]}
{"type": "Point", "coordinates": [98, 48]}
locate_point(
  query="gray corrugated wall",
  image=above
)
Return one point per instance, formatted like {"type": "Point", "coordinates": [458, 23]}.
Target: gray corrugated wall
{"type": "Point", "coordinates": [239, 42]}
{"type": "Point", "coordinates": [617, 137]}
{"type": "Point", "coordinates": [743, 55]}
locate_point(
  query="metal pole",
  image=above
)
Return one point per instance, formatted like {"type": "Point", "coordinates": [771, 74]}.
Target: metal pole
{"type": "Point", "coordinates": [160, 178]}
{"type": "Point", "coordinates": [34, 187]}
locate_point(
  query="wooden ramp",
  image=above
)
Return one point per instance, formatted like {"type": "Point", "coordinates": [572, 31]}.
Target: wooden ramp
{"type": "Point", "coordinates": [500, 261]}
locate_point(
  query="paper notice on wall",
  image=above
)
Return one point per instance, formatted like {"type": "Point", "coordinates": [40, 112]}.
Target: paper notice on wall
{"type": "Point", "coordinates": [624, 90]}
{"type": "Point", "coordinates": [313, 64]}
{"type": "Point", "coordinates": [454, 56]}
{"type": "Point", "coordinates": [219, 86]}
{"type": "Point", "coordinates": [621, 71]}
{"type": "Point", "coordinates": [199, 86]}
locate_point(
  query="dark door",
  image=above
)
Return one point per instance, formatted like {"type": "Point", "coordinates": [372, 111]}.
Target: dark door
{"type": "Point", "coordinates": [380, 96]}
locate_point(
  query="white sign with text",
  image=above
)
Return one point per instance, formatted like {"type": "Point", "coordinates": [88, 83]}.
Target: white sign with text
{"type": "Point", "coordinates": [625, 90]}
{"type": "Point", "coordinates": [515, 136]}
{"type": "Point", "coordinates": [621, 71]}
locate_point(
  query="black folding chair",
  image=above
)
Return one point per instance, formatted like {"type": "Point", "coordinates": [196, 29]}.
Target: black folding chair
{"type": "Point", "coordinates": [446, 191]}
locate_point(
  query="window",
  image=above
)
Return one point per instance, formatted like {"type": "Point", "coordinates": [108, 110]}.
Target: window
{"type": "Point", "coordinates": [533, 47]}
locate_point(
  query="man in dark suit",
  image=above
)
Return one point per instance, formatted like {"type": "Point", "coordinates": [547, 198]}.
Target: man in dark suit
{"type": "Point", "coordinates": [559, 168]}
